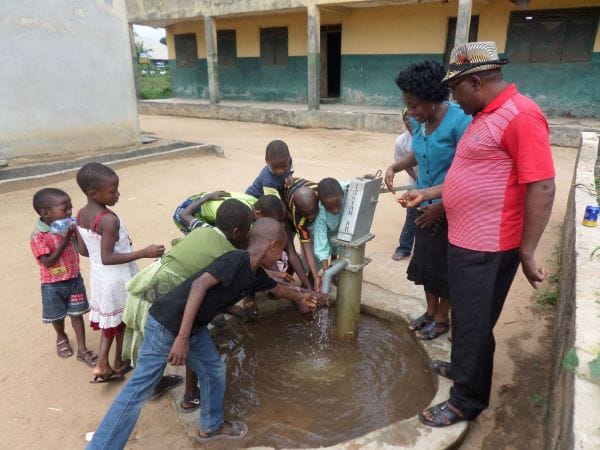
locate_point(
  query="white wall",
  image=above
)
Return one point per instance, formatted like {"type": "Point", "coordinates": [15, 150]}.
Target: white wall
{"type": "Point", "coordinates": [66, 81]}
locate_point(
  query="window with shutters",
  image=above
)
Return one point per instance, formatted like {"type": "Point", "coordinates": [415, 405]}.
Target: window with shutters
{"type": "Point", "coordinates": [274, 46]}
{"type": "Point", "coordinates": [186, 50]}
{"type": "Point", "coordinates": [558, 35]}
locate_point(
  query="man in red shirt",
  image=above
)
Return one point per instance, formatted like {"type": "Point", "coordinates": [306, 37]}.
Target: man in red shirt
{"type": "Point", "coordinates": [498, 197]}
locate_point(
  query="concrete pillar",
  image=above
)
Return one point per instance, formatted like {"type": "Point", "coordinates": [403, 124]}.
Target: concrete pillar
{"type": "Point", "coordinates": [314, 57]}
{"type": "Point", "coordinates": [136, 75]}
{"type": "Point", "coordinates": [463, 21]}
{"type": "Point", "coordinates": [210, 35]}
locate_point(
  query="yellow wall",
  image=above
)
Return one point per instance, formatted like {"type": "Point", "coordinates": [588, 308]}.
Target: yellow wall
{"type": "Point", "coordinates": [406, 29]}
{"type": "Point", "coordinates": [493, 18]}
{"type": "Point", "coordinates": [396, 29]}
{"type": "Point", "coordinates": [422, 28]}
{"type": "Point", "coordinates": [187, 27]}
{"type": "Point", "coordinates": [248, 32]}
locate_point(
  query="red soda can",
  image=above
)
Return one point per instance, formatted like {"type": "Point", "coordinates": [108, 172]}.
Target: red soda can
{"type": "Point", "coordinates": [590, 218]}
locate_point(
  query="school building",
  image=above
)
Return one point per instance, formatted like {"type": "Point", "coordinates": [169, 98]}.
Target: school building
{"type": "Point", "coordinates": [349, 51]}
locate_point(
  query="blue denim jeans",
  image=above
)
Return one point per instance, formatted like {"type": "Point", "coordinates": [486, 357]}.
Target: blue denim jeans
{"type": "Point", "coordinates": [407, 236]}
{"type": "Point", "coordinates": [204, 359]}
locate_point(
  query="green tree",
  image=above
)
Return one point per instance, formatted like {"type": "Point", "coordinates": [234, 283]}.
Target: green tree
{"type": "Point", "coordinates": [140, 49]}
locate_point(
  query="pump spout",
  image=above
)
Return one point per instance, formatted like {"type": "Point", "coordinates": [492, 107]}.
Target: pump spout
{"type": "Point", "coordinates": [337, 266]}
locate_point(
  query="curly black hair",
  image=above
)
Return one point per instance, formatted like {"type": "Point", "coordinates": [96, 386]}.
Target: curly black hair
{"type": "Point", "coordinates": [424, 81]}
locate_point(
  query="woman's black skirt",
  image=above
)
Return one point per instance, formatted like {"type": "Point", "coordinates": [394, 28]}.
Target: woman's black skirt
{"type": "Point", "coordinates": [429, 264]}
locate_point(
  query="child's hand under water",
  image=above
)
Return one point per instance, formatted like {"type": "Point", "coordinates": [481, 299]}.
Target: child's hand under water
{"type": "Point", "coordinates": [308, 300]}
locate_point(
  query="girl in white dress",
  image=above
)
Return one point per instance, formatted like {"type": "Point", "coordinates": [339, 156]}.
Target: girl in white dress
{"type": "Point", "coordinates": [105, 240]}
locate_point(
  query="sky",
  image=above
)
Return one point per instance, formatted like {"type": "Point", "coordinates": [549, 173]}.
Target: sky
{"type": "Point", "coordinates": [154, 33]}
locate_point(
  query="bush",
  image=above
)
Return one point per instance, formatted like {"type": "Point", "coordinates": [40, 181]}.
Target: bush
{"type": "Point", "coordinates": [155, 86]}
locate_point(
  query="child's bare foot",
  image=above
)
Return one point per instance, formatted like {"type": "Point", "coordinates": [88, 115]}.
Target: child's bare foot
{"type": "Point", "coordinates": [103, 370]}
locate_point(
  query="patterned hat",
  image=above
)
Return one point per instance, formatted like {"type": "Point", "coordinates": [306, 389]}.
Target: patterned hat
{"type": "Point", "coordinates": [473, 57]}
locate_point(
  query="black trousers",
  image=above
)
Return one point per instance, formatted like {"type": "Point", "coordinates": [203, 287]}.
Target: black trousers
{"type": "Point", "coordinates": [479, 283]}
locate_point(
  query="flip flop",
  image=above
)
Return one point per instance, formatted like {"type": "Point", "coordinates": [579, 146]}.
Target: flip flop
{"type": "Point", "coordinates": [237, 311]}
{"type": "Point", "coordinates": [89, 358]}
{"type": "Point", "coordinates": [125, 370]}
{"type": "Point", "coordinates": [194, 401]}
{"type": "Point", "coordinates": [239, 430]}
{"type": "Point", "coordinates": [433, 330]}
{"type": "Point", "coordinates": [63, 348]}
{"type": "Point", "coordinates": [109, 378]}
{"type": "Point", "coordinates": [251, 309]}
{"type": "Point", "coordinates": [166, 383]}
{"type": "Point", "coordinates": [441, 416]}
{"type": "Point", "coordinates": [420, 322]}
{"type": "Point", "coordinates": [442, 368]}
{"type": "Point", "coordinates": [219, 321]}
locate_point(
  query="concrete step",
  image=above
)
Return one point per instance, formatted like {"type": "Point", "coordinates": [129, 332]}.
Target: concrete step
{"type": "Point", "coordinates": [564, 132]}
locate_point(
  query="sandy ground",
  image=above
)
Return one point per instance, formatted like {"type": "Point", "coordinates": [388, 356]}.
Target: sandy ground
{"type": "Point", "coordinates": [48, 402]}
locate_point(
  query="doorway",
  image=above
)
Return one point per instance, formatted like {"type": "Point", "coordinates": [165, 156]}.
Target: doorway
{"type": "Point", "coordinates": [331, 62]}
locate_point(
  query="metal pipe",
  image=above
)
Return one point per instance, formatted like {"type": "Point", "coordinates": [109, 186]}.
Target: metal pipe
{"type": "Point", "coordinates": [337, 266]}
{"type": "Point", "coordinates": [348, 296]}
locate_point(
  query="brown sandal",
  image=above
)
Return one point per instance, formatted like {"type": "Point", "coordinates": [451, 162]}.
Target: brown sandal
{"type": "Point", "coordinates": [63, 348]}
{"type": "Point", "coordinates": [89, 358]}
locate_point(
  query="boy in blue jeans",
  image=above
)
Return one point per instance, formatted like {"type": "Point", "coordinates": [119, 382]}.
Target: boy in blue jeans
{"type": "Point", "coordinates": [63, 291]}
{"type": "Point", "coordinates": [176, 332]}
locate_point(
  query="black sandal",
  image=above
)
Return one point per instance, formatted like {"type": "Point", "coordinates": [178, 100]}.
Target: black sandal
{"type": "Point", "coordinates": [433, 331]}
{"type": "Point", "coordinates": [166, 383]}
{"type": "Point", "coordinates": [420, 322]}
{"type": "Point", "coordinates": [441, 368]}
{"type": "Point", "coordinates": [441, 416]}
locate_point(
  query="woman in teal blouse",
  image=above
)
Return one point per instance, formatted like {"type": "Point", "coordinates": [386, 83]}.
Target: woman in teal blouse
{"type": "Point", "coordinates": [437, 127]}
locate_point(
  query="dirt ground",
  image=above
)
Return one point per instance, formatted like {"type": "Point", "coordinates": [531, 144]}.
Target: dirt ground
{"type": "Point", "coordinates": [48, 402]}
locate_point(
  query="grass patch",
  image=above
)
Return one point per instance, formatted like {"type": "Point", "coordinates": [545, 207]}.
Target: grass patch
{"type": "Point", "coordinates": [538, 399]}
{"type": "Point", "coordinates": [155, 86]}
{"type": "Point", "coordinates": [547, 299]}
